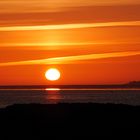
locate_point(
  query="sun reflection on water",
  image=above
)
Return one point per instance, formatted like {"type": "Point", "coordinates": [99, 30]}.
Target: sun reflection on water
{"type": "Point", "coordinates": [53, 95]}
{"type": "Point", "coordinates": [52, 89]}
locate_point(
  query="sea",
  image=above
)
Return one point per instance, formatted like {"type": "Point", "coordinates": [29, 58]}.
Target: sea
{"type": "Point", "coordinates": [69, 95]}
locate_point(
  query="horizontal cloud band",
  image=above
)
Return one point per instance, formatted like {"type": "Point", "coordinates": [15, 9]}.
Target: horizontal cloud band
{"type": "Point", "coordinates": [70, 26]}
{"type": "Point", "coordinates": [70, 59]}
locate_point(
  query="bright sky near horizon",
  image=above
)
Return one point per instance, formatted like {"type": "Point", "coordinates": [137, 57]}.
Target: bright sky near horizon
{"type": "Point", "coordinates": [90, 42]}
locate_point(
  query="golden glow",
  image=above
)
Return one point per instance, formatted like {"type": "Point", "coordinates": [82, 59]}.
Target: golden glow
{"type": "Point", "coordinates": [91, 42]}
{"type": "Point", "coordinates": [71, 59]}
{"type": "Point", "coordinates": [52, 89]}
{"type": "Point", "coordinates": [70, 26]}
{"type": "Point", "coordinates": [52, 74]}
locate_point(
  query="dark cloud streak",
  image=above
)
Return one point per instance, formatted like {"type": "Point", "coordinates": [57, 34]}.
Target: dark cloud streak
{"type": "Point", "coordinates": [83, 14]}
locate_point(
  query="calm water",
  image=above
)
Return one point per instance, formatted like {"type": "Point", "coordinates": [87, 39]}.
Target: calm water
{"type": "Point", "coordinates": [53, 96]}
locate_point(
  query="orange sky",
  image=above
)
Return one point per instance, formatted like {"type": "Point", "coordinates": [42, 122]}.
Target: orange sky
{"type": "Point", "coordinates": [90, 42]}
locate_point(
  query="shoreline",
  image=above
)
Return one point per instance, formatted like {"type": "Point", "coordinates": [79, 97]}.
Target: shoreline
{"type": "Point", "coordinates": [106, 86]}
{"type": "Point", "coordinates": [71, 119]}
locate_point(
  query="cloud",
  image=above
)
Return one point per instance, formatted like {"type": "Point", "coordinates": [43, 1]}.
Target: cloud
{"type": "Point", "coordinates": [71, 59]}
{"type": "Point", "coordinates": [70, 26]}
{"type": "Point", "coordinates": [57, 45]}
{"type": "Point", "coordinates": [79, 14]}
{"type": "Point", "coordinates": [52, 5]}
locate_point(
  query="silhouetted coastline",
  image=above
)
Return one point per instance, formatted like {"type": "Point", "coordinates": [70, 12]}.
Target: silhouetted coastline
{"type": "Point", "coordinates": [81, 119]}
{"type": "Point", "coordinates": [131, 84]}
{"type": "Point", "coordinates": [78, 119]}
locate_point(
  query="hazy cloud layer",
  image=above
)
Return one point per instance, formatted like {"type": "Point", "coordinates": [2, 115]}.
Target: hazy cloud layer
{"type": "Point", "coordinates": [82, 14]}
{"type": "Point", "coordinates": [71, 59]}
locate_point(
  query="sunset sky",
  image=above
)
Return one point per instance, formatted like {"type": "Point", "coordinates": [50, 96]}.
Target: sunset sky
{"type": "Point", "coordinates": [89, 41]}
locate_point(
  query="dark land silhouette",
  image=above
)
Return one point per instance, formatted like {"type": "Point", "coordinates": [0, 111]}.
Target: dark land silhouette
{"type": "Point", "coordinates": [38, 120]}
{"type": "Point", "coordinates": [89, 119]}
{"type": "Point", "coordinates": [131, 84]}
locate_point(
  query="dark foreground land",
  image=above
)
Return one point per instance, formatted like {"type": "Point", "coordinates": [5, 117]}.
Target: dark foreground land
{"type": "Point", "coordinates": [69, 119]}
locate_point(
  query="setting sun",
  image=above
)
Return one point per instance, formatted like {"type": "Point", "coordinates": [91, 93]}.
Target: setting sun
{"type": "Point", "coordinates": [52, 74]}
